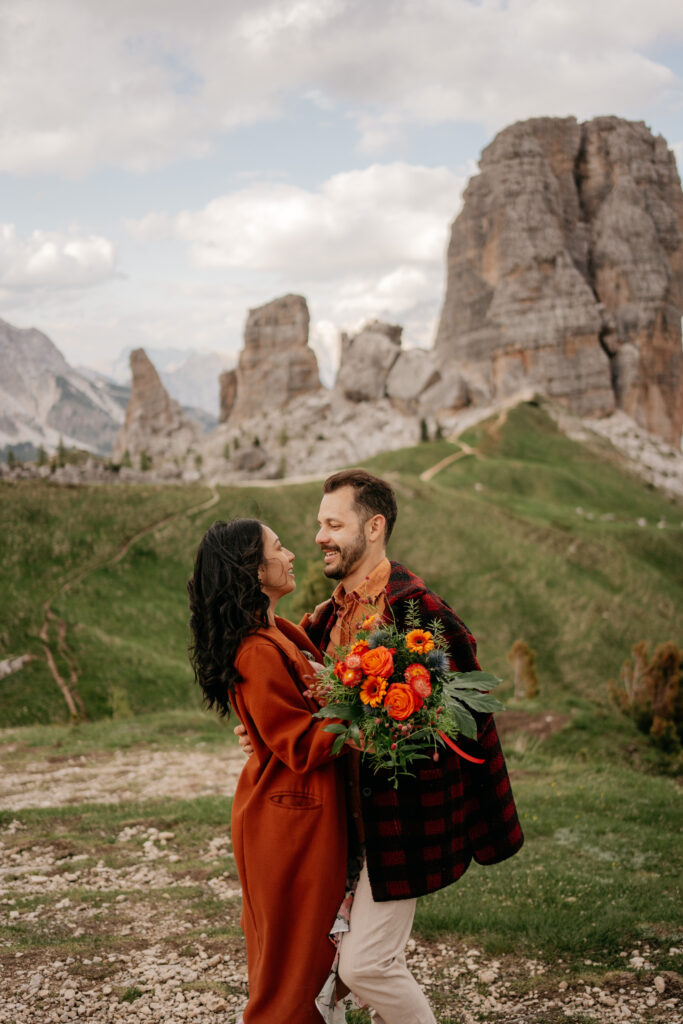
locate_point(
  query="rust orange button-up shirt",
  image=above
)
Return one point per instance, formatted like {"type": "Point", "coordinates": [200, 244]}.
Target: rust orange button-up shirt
{"type": "Point", "coordinates": [352, 608]}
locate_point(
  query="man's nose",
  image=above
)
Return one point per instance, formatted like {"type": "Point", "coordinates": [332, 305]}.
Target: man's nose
{"type": "Point", "coordinates": [320, 536]}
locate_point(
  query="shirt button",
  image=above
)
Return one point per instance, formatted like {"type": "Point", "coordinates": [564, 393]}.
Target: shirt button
{"type": "Point", "coordinates": [367, 791]}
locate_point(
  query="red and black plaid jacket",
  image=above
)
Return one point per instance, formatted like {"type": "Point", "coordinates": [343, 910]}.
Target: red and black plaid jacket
{"type": "Point", "coordinates": [423, 835]}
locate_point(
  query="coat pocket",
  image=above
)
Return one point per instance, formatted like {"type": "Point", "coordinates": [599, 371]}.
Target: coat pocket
{"type": "Point", "coordinates": [295, 800]}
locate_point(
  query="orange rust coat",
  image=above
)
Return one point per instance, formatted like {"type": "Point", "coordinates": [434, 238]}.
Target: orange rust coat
{"type": "Point", "coordinates": [288, 830]}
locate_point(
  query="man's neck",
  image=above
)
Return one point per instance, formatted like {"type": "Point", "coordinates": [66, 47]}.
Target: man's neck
{"type": "Point", "coordinates": [362, 571]}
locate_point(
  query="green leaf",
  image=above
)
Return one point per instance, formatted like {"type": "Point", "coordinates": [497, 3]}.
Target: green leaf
{"type": "Point", "coordinates": [471, 680]}
{"type": "Point", "coordinates": [337, 727]}
{"type": "Point", "coordinates": [464, 721]}
{"type": "Point", "coordinates": [478, 701]}
{"type": "Point", "coordinates": [354, 733]}
{"type": "Point", "coordinates": [338, 744]}
{"type": "Point", "coordinates": [346, 711]}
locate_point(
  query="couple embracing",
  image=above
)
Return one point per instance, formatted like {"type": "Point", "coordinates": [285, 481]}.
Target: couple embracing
{"type": "Point", "coordinates": [301, 814]}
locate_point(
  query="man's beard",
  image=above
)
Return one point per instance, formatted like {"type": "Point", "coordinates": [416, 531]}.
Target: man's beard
{"type": "Point", "coordinates": [349, 558]}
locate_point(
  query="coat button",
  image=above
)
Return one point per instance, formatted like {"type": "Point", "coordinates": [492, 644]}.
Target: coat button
{"type": "Point", "coordinates": [367, 791]}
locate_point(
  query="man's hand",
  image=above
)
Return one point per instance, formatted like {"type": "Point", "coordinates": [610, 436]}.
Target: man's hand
{"type": "Point", "coordinates": [244, 741]}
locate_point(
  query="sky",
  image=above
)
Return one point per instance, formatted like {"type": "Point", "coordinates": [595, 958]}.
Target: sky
{"type": "Point", "coordinates": [165, 166]}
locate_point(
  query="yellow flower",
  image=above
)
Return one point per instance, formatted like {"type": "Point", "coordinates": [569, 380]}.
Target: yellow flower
{"type": "Point", "coordinates": [419, 641]}
{"type": "Point", "coordinates": [372, 691]}
{"type": "Point", "coordinates": [369, 622]}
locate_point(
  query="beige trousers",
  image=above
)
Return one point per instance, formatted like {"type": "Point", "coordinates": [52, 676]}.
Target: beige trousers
{"type": "Point", "coordinates": [372, 958]}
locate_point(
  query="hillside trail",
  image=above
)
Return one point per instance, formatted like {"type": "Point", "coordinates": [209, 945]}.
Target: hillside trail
{"type": "Point", "coordinates": [69, 687]}
{"type": "Point", "coordinates": [492, 429]}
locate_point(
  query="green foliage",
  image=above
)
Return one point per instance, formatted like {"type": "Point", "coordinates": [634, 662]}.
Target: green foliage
{"type": "Point", "coordinates": [131, 994]}
{"type": "Point", "coordinates": [226, 451]}
{"type": "Point", "coordinates": [126, 460]}
{"type": "Point", "coordinates": [198, 461]}
{"type": "Point", "coordinates": [41, 458]}
{"type": "Point", "coordinates": [145, 461]}
{"type": "Point", "coordinates": [284, 436]}
{"type": "Point", "coordinates": [424, 430]}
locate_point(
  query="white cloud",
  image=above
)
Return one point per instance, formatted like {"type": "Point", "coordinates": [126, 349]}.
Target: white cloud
{"type": "Point", "coordinates": [371, 219]}
{"type": "Point", "coordinates": [87, 84]}
{"type": "Point", "coordinates": [47, 261]}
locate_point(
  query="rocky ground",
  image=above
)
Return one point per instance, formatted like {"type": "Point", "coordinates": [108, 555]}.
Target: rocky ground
{"type": "Point", "coordinates": [126, 929]}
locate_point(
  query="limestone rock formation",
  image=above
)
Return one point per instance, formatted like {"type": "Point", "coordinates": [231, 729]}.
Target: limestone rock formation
{"type": "Point", "coordinates": [227, 386]}
{"type": "Point", "coordinates": [565, 271]}
{"type": "Point", "coordinates": [366, 359]}
{"type": "Point", "coordinates": [374, 366]}
{"type": "Point", "coordinates": [276, 363]}
{"type": "Point", "coordinates": [155, 428]}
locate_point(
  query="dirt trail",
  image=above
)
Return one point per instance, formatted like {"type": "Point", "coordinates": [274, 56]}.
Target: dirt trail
{"type": "Point", "coordinates": [69, 688]}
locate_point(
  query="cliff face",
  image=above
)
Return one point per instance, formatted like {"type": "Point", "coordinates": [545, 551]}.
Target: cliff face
{"type": "Point", "coordinates": [565, 271]}
{"type": "Point", "coordinates": [276, 363]}
{"type": "Point", "coordinates": [155, 423]}
{"type": "Point", "coordinates": [42, 398]}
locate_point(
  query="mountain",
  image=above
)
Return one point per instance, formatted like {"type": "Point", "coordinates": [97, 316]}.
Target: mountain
{"type": "Point", "coordinates": [190, 377]}
{"type": "Point", "coordinates": [43, 398]}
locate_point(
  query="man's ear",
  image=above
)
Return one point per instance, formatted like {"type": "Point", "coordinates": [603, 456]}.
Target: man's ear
{"type": "Point", "coordinates": [375, 527]}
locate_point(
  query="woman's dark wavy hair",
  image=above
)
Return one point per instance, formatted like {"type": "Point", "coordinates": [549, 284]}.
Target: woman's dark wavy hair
{"type": "Point", "coordinates": [226, 604]}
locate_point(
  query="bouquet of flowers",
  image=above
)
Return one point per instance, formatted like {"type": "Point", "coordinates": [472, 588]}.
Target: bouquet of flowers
{"type": "Point", "coordinates": [397, 697]}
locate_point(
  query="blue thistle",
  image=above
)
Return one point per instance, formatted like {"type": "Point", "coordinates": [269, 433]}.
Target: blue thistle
{"type": "Point", "coordinates": [438, 661]}
{"type": "Point", "coordinates": [380, 638]}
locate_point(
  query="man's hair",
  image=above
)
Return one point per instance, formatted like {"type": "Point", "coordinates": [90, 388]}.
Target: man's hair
{"type": "Point", "coordinates": [372, 495]}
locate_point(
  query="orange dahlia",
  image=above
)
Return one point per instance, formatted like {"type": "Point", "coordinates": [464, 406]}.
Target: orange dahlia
{"type": "Point", "coordinates": [419, 641]}
{"type": "Point", "coordinates": [372, 691]}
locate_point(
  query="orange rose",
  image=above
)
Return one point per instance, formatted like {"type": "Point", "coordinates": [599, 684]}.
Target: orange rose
{"type": "Point", "coordinates": [419, 680]}
{"type": "Point", "coordinates": [378, 662]}
{"type": "Point", "coordinates": [400, 701]}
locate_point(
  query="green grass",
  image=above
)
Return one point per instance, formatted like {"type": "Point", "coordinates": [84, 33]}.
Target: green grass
{"type": "Point", "coordinates": [497, 535]}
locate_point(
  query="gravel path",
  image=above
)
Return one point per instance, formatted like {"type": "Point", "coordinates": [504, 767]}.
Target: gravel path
{"type": "Point", "coordinates": [110, 778]}
{"type": "Point", "coordinates": [161, 963]}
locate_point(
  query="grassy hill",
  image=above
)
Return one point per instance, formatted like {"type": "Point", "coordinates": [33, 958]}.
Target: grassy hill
{"type": "Point", "coordinates": [533, 537]}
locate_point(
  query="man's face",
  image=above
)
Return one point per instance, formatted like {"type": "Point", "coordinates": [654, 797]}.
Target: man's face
{"type": "Point", "coordinates": [341, 536]}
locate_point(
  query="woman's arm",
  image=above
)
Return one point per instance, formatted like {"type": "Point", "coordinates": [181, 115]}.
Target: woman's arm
{"type": "Point", "coordinates": [279, 712]}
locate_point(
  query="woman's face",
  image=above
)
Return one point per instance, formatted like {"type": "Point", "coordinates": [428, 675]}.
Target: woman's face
{"type": "Point", "coordinates": [276, 574]}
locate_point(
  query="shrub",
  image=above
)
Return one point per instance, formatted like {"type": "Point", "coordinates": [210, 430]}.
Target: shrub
{"type": "Point", "coordinates": [650, 691]}
{"type": "Point", "coordinates": [523, 661]}
{"type": "Point", "coordinates": [145, 460]}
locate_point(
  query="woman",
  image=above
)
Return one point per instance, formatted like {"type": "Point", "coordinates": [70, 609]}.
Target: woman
{"type": "Point", "coordinates": [288, 819]}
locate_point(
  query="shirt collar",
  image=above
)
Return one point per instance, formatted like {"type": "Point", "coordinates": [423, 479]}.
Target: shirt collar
{"type": "Point", "coordinates": [369, 589]}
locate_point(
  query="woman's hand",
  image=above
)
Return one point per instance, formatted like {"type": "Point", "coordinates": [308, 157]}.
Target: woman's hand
{"type": "Point", "coordinates": [243, 739]}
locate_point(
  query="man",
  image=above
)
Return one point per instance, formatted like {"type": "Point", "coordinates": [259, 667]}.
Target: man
{"type": "Point", "coordinates": [421, 836]}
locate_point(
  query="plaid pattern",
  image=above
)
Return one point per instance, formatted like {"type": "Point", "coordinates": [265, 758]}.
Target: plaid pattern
{"type": "Point", "coordinates": [423, 835]}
